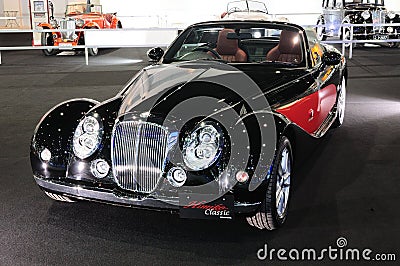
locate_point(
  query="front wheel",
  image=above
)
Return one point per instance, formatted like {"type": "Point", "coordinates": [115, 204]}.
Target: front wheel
{"type": "Point", "coordinates": [273, 211]}
{"type": "Point", "coordinates": [47, 40]}
{"type": "Point", "coordinates": [320, 29]}
{"type": "Point", "coordinates": [347, 37]}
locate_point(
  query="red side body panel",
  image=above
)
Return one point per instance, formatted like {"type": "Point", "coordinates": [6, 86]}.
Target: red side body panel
{"type": "Point", "coordinates": [311, 111]}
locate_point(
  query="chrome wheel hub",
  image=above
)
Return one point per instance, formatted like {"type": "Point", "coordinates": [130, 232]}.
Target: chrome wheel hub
{"type": "Point", "coordinates": [341, 106]}
{"type": "Point", "coordinates": [283, 183]}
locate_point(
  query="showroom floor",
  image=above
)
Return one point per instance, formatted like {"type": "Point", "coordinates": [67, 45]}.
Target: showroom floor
{"type": "Point", "coordinates": [347, 186]}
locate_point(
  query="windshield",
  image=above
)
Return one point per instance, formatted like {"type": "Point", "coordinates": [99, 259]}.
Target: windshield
{"type": "Point", "coordinates": [370, 2]}
{"type": "Point", "coordinates": [240, 43]}
{"type": "Point", "coordinates": [77, 9]}
{"type": "Point", "coordinates": [246, 6]}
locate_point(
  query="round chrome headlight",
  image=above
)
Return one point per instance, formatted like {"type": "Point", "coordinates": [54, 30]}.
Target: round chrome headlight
{"type": "Point", "coordinates": [54, 23]}
{"type": "Point", "coordinates": [202, 147]}
{"type": "Point", "coordinates": [366, 15]}
{"type": "Point", "coordinates": [87, 137]}
{"type": "Point", "coordinates": [100, 168]}
{"type": "Point", "coordinates": [391, 14]}
{"type": "Point", "coordinates": [79, 23]}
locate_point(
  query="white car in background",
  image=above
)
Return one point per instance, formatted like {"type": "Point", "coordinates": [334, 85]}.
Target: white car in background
{"type": "Point", "coordinates": [249, 10]}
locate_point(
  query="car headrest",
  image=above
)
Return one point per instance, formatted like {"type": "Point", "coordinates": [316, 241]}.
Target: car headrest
{"type": "Point", "coordinates": [289, 42]}
{"type": "Point", "coordinates": [226, 46]}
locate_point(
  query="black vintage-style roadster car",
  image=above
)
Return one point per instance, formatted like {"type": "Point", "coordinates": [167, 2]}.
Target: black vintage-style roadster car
{"type": "Point", "coordinates": [336, 13]}
{"type": "Point", "coordinates": [209, 131]}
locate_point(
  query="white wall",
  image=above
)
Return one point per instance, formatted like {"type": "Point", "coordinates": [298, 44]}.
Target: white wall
{"type": "Point", "coordinates": [153, 13]}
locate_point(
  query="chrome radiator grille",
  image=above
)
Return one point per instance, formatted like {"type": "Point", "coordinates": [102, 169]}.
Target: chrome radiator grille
{"type": "Point", "coordinates": [139, 152]}
{"type": "Point", "coordinates": [70, 26]}
{"type": "Point", "coordinates": [378, 17]}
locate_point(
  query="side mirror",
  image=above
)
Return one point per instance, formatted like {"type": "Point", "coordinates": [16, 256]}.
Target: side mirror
{"type": "Point", "coordinates": [155, 54]}
{"type": "Point", "coordinates": [331, 58]}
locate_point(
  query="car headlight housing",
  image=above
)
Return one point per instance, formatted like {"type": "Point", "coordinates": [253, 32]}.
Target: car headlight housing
{"type": "Point", "coordinates": [79, 23]}
{"type": "Point", "coordinates": [391, 14]}
{"type": "Point", "coordinates": [54, 23]}
{"type": "Point", "coordinates": [87, 137]}
{"type": "Point", "coordinates": [366, 15]}
{"type": "Point", "coordinates": [202, 147]}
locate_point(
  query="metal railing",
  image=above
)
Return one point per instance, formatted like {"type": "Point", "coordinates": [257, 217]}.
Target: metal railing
{"type": "Point", "coordinates": [349, 43]}
{"type": "Point", "coordinates": [86, 47]}
{"type": "Point", "coordinates": [345, 43]}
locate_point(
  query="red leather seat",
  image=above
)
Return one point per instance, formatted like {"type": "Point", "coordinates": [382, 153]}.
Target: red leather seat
{"type": "Point", "coordinates": [229, 49]}
{"type": "Point", "coordinates": [288, 49]}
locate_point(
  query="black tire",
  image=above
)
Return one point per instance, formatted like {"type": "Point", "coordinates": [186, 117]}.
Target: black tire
{"type": "Point", "coordinates": [47, 40]}
{"type": "Point", "coordinates": [393, 44]}
{"type": "Point", "coordinates": [321, 32]}
{"type": "Point", "coordinates": [340, 104]}
{"type": "Point", "coordinates": [270, 216]}
{"type": "Point", "coordinates": [93, 51]}
{"type": "Point", "coordinates": [347, 36]}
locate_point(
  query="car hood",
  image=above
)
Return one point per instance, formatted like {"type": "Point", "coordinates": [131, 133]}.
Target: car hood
{"type": "Point", "coordinates": [166, 79]}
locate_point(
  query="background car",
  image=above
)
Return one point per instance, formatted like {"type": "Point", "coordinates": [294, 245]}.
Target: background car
{"type": "Point", "coordinates": [78, 16]}
{"type": "Point", "coordinates": [338, 12]}
{"type": "Point", "coordinates": [210, 131]}
{"type": "Point", "coordinates": [248, 10]}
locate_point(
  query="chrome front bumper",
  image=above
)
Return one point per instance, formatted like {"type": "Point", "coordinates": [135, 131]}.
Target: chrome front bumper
{"type": "Point", "coordinates": [107, 196]}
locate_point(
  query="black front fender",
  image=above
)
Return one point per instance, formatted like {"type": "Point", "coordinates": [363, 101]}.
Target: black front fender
{"type": "Point", "coordinates": [54, 132]}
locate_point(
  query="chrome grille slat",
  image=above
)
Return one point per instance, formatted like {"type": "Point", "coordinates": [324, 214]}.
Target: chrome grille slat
{"type": "Point", "coordinates": [67, 25]}
{"type": "Point", "coordinates": [139, 151]}
{"type": "Point", "coordinates": [378, 17]}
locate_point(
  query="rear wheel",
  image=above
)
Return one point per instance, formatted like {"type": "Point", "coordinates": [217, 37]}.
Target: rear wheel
{"type": "Point", "coordinates": [93, 51]}
{"type": "Point", "coordinates": [273, 211]}
{"type": "Point", "coordinates": [47, 40]}
{"type": "Point", "coordinates": [341, 104]}
{"type": "Point", "coordinates": [393, 44]}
